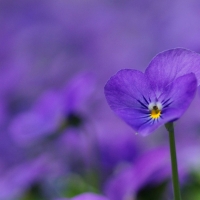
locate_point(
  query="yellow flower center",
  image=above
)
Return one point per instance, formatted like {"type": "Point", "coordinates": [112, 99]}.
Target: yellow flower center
{"type": "Point", "coordinates": [155, 112]}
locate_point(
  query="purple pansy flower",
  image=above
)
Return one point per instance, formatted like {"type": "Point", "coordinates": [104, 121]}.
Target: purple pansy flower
{"type": "Point", "coordinates": [54, 111]}
{"type": "Point", "coordinates": [161, 94]}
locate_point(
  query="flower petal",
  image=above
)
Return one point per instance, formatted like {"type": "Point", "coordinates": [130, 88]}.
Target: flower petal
{"type": "Point", "coordinates": [128, 94]}
{"type": "Point", "coordinates": [181, 93]}
{"type": "Point", "coordinates": [171, 64]}
{"type": "Point", "coordinates": [89, 196]}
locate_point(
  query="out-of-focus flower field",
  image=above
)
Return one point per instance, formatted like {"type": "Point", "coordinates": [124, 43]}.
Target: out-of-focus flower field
{"type": "Point", "coordinates": [58, 137]}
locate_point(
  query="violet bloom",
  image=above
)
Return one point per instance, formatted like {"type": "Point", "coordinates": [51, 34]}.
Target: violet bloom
{"type": "Point", "coordinates": [86, 196]}
{"type": "Point", "coordinates": [54, 111]}
{"type": "Point", "coordinates": [15, 181]}
{"type": "Point", "coordinates": [131, 179]}
{"type": "Point", "coordinates": [161, 94]}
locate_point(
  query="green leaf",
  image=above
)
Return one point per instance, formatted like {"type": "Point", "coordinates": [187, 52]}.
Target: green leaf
{"type": "Point", "coordinates": [76, 185]}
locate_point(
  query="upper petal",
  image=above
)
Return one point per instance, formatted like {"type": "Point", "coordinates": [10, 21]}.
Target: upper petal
{"type": "Point", "coordinates": [171, 64]}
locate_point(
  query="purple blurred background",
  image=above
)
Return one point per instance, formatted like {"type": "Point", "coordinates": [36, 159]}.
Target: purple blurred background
{"type": "Point", "coordinates": [58, 136]}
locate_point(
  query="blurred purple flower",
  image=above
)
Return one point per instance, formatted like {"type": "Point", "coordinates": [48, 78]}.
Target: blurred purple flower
{"type": "Point", "coordinates": [15, 181]}
{"type": "Point", "coordinates": [54, 111]}
{"type": "Point", "coordinates": [86, 196]}
{"type": "Point", "coordinates": [128, 147]}
{"type": "Point", "coordinates": [40, 121]}
{"type": "Point", "coordinates": [148, 100]}
{"type": "Point", "coordinates": [153, 167]}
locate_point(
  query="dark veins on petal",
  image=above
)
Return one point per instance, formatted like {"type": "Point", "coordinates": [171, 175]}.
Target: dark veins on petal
{"type": "Point", "coordinates": [166, 103]}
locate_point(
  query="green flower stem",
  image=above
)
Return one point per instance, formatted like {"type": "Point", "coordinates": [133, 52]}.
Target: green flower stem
{"type": "Point", "coordinates": [170, 127]}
